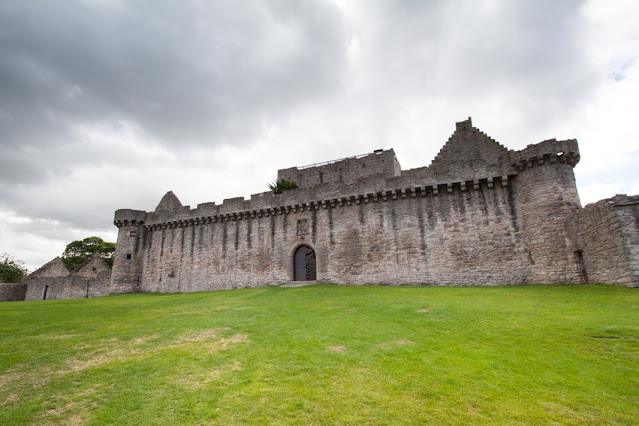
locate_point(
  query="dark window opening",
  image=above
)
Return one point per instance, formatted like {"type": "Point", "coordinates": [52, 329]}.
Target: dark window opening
{"type": "Point", "coordinates": [128, 256]}
{"type": "Point", "coordinates": [44, 292]}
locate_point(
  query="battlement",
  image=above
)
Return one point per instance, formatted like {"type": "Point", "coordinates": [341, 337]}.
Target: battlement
{"type": "Point", "coordinates": [124, 217]}
{"type": "Point", "coordinates": [470, 160]}
{"type": "Point", "coordinates": [551, 150]}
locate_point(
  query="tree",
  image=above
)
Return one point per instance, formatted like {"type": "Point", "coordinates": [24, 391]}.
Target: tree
{"type": "Point", "coordinates": [282, 185]}
{"type": "Point", "coordinates": [11, 269]}
{"type": "Point", "coordinates": [79, 251]}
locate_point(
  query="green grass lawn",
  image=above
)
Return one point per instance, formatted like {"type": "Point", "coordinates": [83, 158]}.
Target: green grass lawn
{"type": "Point", "coordinates": [325, 355]}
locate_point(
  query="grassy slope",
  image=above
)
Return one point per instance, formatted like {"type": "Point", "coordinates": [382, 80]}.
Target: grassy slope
{"type": "Point", "coordinates": [325, 354]}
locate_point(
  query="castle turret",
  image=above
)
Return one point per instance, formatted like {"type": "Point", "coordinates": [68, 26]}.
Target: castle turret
{"type": "Point", "coordinates": [127, 259]}
{"type": "Point", "coordinates": [546, 195]}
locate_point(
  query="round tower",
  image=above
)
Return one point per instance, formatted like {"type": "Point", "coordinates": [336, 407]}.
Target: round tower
{"type": "Point", "coordinates": [546, 194]}
{"type": "Point", "coordinates": [127, 259]}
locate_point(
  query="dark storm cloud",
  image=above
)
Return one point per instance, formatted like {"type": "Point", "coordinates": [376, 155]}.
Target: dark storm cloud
{"type": "Point", "coordinates": [187, 72]}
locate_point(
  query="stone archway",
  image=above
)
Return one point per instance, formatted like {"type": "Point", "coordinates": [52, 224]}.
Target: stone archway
{"type": "Point", "coordinates": [304, 264]}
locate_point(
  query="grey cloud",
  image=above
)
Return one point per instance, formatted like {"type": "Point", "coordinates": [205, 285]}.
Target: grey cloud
{"type": "Point", "coordinates": [188, 73]}
{"type": "Point", "coordinates": [464, 49]}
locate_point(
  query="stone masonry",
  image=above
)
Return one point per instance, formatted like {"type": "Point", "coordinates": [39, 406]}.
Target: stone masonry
{"type": "Point", "coordinates": [604, 237]}
{"type": "Point", "coordinates": [55, 281]}
{"type": "Point", "coordinates": [479, 214]}
{"type": "Point", "coordinates": [10, 292]}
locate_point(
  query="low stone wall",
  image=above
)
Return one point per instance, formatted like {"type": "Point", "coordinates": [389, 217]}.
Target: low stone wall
{"type": "Point", "coordinates": [12, 291]}
{"type": "Point", "coordinates": [72, 287]}
{"type": "Point", "coordinates": [605, 240]}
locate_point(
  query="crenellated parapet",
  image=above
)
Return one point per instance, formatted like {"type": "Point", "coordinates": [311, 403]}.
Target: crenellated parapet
{"type": "Point", "coordinates": [268, 204]}
{"type": "Point", "coordinates": [128, 217]}
{"type": "Point", "coordinates": [429, 217]}
{"type": "Point", "coordinates": [483, 163]}
{"type": "Point", "coordinates": [548, 151]}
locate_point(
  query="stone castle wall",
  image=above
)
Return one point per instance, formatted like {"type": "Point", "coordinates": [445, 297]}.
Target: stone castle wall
{"type": "Point", "coordinates": [346, 171]}
{"type": "Point", "coordinates": [604, 238]}
{"type": "Point", "coordinates": [465, 237]}
{"type": "Point", "coordinates": [10, 292]}
{"type": "Point", "coordinates": [480, 214]}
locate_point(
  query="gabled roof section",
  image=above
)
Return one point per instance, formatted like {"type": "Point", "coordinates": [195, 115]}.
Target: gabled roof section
{"type": "Point", "coordinates": [92, 266]}
{"type": "Point", "coordinates": [169, 203]}
{"type": "Point", "coordinates": [55, 268]}
{"type": "Point", "coordinates": [469, 149]}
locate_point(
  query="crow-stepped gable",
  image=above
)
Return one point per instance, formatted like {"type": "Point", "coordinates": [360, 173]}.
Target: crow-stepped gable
{"type": "Point", "coordinates": [480, 214]}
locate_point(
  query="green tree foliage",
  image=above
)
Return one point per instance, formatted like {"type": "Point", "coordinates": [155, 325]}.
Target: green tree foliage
{"type": "Point", "coordinates": [11, 269]}
{"type": "Point", "coordinates": [78, 251]}
{"type": "Point", "coordinates": [282, 185]}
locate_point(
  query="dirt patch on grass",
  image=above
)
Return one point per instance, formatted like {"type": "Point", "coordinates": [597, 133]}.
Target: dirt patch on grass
{"type": "Point", "coordinates": [10, 399]}
{"type": "Point", "coordinates": [212, 333]}
{"type": "Point", "coordinates": [404, 342]}
{"type": "Point", "coordinates": [212, 340]}
{"type": "Point", "coordinates": [8, 378]}
{"type": "Point", "coordinates": [36, 378]}
{"type": "Point", "coordinates": [75, 365]}
{"type": "Point", "coordinates": [195, 381]}
{"type": "Point", "coordinates": [337, 348]}
{"type": "Point", "coordinates": [61, 410]}
{"type": "Point", "coordinates": [233, 340]}
{"type": "Point", "coordinates": [61, 336]}
{"type": "Point", "coordinates": [144, 339]}
{"type": "Point", "coordinates": [82, 346]}
{"type": "Point", "coordinates": [424, 310]}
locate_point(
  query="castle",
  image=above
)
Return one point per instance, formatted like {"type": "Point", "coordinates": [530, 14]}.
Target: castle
{"type": "Point", "coordinates": [480, 214]}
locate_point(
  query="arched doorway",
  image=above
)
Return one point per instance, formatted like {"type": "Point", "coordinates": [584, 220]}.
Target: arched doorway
{"type": "Point", "coordinates": [305, 267]}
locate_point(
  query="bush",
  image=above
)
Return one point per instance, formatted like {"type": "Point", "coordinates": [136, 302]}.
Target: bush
{"type": "Point", "coordinates": [282, 185]}
{"type": "Point", "coordinates": [11, 270]}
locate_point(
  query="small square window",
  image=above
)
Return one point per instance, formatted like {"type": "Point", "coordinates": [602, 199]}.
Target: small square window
{"type": "Point", "coordinates": [132, 233]}
{"type": "Point", "coordinates": [128, 256]}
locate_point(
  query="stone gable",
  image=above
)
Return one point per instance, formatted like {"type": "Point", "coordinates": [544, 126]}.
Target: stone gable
{"type": "Point", "coordinates": [479, 214]}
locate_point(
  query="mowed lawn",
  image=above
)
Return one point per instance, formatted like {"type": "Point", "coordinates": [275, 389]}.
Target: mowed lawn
{"type": "Point", "coordinates": [325, 355]}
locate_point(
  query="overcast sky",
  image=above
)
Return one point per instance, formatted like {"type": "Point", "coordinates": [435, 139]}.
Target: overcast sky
{"type": "Point", "coordinates": [108, 104]}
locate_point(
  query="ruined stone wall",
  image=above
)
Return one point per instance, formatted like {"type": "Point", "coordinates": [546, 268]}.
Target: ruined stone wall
{"type": "Point", "coordinates": [346, 171]}
{"type": "Point", "coordinates": [71, 287]}
{"type": "Point", "coordinates": [605, 235]}
{"type": "Point", "coordinates": [468, 237]}
{"type": "Point", "coordinates": [55, 281]}
{"type": "Point", "coordinates": [56, 288]}
{"type": "Point", "coordinates": [627, 210]}
{"type": "Point", "coordinates": [12, 291]}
